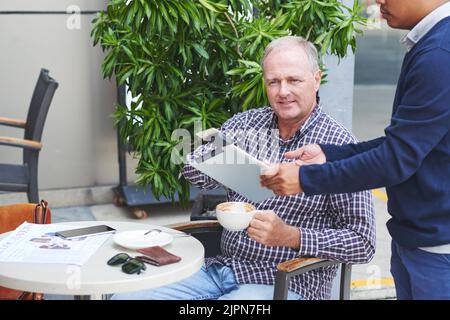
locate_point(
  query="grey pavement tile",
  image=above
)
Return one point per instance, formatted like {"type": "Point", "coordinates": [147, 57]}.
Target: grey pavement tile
{"type": "Point", "coordinates": [68, 214]}
{"type": "Point", "coordinates": [57, 297]}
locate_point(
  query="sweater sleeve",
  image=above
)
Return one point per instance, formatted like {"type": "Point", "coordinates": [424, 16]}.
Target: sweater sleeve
{"type": "Point", "coordinates": [418, 124]}
{"type": "Point", "coordinates": [334, 152]}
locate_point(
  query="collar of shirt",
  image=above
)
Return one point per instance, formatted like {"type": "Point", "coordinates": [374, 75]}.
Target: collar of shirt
{"type": "Point", "coordinates": [425, 25]}
{"type": "Point", "coordinates": [303, 129]}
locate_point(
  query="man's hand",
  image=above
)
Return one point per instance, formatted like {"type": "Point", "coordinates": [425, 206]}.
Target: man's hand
{"type": "Point", "coordinates": [267, 228]}
{"type": "Point", "coordinates": [282, 179]}
{"type": "Point", "coordinates": [309, 154]}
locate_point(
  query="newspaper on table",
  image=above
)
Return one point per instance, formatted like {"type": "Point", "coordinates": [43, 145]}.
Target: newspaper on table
{"type": "Point", "coordinates": [37, 243]}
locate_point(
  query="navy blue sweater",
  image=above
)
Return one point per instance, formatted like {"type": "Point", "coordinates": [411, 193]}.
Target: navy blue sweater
{"type": "Point", "coordinates": [413, 159]}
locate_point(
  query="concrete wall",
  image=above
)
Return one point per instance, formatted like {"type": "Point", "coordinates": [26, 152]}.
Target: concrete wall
{"type": "Point", "coordinates": [79, 139]}
{"type": "Point", "coordinates": [337, 94]}
{"type": "Point", "coordinates": [51, 5]}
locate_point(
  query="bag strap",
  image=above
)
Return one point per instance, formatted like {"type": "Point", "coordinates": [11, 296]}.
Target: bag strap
{"type": "Point", "coordinates": [44, 205]}
{"type": "Point", "coordinates": [43, 209]}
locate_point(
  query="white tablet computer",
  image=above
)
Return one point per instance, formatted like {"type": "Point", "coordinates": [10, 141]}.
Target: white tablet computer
{"type": "Point", "coordinates": [236, 170]}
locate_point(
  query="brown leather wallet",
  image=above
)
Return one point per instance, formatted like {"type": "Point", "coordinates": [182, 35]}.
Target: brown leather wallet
{"type": "Point", "coordinates": [157, 256]}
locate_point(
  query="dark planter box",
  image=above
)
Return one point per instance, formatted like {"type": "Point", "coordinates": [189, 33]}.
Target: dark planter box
{"type": "Point", "coordinates": [205, 206]}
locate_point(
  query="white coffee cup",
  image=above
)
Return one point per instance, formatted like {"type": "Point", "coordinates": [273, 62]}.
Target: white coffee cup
{"type": "Point", "coordinates": [235, 216]}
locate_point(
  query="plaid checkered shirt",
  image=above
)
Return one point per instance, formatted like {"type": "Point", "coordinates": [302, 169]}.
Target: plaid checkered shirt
{"type": "Point", "coordinates": [337, 226]}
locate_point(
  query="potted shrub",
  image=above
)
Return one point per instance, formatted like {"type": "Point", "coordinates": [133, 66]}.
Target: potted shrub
{"type": "Point", "coordinates": [193, 61]}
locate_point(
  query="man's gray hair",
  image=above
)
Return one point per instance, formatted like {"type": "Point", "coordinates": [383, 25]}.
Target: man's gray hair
{"type": "Point", "coordinates": [309, 48]}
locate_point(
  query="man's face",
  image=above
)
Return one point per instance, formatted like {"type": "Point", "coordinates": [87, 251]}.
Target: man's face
{"type": "Point", "coordinates": [290, 84]}
{"type": "Point", "coordinates": [405, 14]}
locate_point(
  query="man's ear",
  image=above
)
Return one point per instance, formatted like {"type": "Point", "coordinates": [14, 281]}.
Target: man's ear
{"type": "Point", "coordinates": [317, 80]}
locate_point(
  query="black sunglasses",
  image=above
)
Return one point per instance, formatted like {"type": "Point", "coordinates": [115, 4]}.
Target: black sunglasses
{"type": "Point", "coordinates": [130, 265]}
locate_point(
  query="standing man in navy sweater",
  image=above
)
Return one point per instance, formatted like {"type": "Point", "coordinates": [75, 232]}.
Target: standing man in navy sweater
{"type": "Point", "coordinates": [412, 161]}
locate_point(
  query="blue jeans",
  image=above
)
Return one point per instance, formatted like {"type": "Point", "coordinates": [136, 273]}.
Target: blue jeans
{"type": "Point", "coordinates": [420, 275]}
{"type": "Point", "coordinates": [215, 283]}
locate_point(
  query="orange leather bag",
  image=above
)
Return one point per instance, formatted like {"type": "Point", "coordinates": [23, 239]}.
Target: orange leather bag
{"type": "Point", "coordinates": [12, 216]}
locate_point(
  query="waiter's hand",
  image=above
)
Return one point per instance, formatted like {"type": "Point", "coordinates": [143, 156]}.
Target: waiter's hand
{"type": "Point", "coordinates": [269, 229]}
{"type": "Point", "coordinates": [282, 179]}
{"type": "Point", "coordinates": [309, 154]}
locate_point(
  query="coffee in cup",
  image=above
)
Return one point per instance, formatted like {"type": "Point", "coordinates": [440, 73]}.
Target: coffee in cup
{"type": "Point", "coordinates": [235, 216]}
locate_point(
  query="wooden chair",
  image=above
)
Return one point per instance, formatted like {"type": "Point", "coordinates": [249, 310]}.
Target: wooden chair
{"type": "Point", "coordinates": [208, 232]}
{"type": "Point", "coordinates": [12, 216]}
{"type": "Point", "coordinates": [24, 176]}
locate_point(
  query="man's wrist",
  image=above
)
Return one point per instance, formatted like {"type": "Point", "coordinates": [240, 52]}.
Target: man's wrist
{"type": "Point", "coordinates": [293, 238]}
{"type": "Point", "coordinates": [300, 180]}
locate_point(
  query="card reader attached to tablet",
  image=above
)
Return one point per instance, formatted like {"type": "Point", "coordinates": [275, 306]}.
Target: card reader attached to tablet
{"type": "Point", "coordinates": [236, 170]}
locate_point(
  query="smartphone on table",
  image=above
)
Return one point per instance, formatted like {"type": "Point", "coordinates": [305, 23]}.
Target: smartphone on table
{"type": "Point", "coordinates": [84, 232]}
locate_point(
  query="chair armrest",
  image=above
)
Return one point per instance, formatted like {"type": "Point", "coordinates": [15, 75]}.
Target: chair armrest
{"type": "Point", "coordinates": [12, 122]}
{"type": "Point", "coordinates": [21, 143]}
{"type": "Point", "coordinates": [291, 268]}
{"type": "Point", "coordinates": [302, 265]}
{"type": "Point", "coordinates": [201, 224]}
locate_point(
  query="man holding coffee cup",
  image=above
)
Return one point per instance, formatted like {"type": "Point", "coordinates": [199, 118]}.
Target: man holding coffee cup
{"type": "Point", "coordinates": [339, 227]}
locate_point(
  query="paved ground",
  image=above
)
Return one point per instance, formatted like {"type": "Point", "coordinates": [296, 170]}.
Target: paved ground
{"type": "Point", "coordinates": [377, 67]}
{"type": "Point", "coordinates": [372, 111]}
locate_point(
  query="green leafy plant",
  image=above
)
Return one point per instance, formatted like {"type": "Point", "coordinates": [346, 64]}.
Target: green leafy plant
{"type": "Point", "coordinates": [199, 60]}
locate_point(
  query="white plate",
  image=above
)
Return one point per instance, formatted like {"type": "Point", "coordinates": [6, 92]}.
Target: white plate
{"type": "Point", "coordinates": [136, 239]}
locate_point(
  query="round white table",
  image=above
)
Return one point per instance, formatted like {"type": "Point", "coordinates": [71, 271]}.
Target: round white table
{"type": "Point", "coordinates": [95, 278]}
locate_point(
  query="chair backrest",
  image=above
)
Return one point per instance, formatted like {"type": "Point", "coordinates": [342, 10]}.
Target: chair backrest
{"type": "Point", "coordinates": [39, 105]}
{"type": "Point", "coordinates": [207, 232]}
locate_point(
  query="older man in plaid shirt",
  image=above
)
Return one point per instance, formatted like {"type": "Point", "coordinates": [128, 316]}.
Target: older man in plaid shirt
{"type": "Point", "coordinates": [339, 227]}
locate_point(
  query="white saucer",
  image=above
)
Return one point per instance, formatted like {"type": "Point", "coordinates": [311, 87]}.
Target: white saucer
{"type": "Point", "coordinates": [136, 239]}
